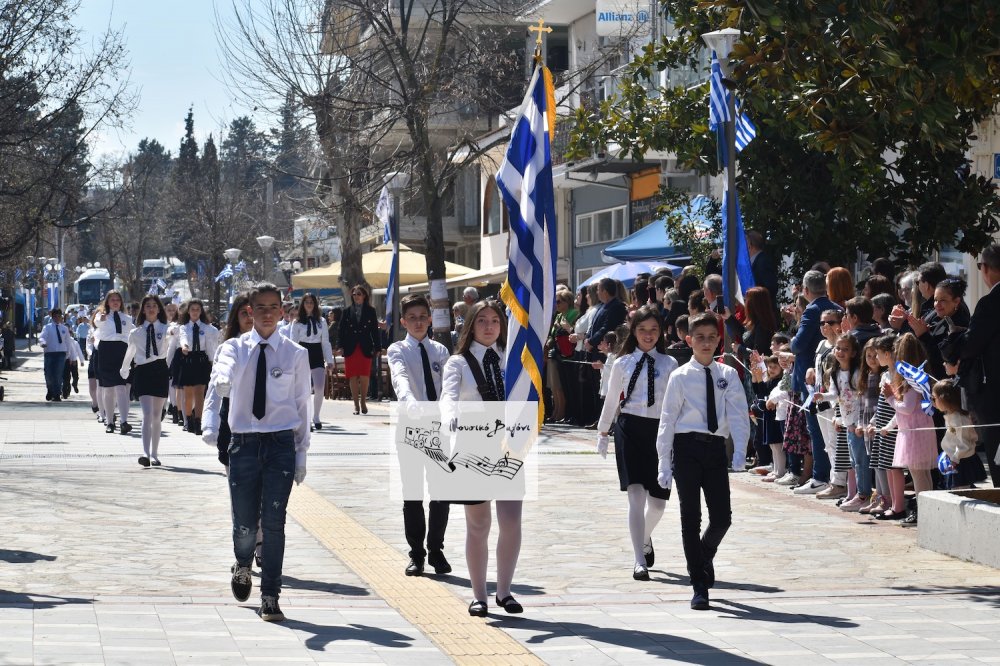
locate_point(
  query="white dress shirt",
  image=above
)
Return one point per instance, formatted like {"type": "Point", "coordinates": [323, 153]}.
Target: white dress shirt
{"type": "Point", "coordinates": [299, 332]}
{"type": "Point", "coordinates": [289, 388]}
{"type": "Point", "coordinates": [582, 325]}
{"type": "Point", "coordinates": [137, 344]}
{"type": "Point", "coordinates": [105, 330]}
{"type": "Point", "coordinates": [49, 340]}
{"type": "Point", "coordinates": [457, 382]}
{"type": "Point", "coordinates": [621, 373]}
{"type": "Point", "coordinates": [209, 337]}
{"type": "Point", "coordinates": [406, 367]}
{"type": "Point", "coordinates": [685, 409]}
{"type": "Point", "coordinates": [173, 340]}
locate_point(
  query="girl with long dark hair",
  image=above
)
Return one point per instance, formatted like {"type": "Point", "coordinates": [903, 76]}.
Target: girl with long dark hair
{"type": "Point", "coordinates": [147, 345]}
{"type": "Point", "coordinates": [309, 330]}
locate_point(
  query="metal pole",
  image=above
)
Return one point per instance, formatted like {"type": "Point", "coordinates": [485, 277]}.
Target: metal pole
{"type": "Point", "coordinates": [394, 224]}
{"type": "Point", "coordinates": [731, 241]}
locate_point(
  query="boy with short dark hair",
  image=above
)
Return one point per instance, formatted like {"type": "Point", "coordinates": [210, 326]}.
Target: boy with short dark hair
{"type": "Point", "coordinates": [681, 327]}
{"type": "Point", "coordinates": [415, 365]}
{"type": "Point", "coordinates": [704, 404]}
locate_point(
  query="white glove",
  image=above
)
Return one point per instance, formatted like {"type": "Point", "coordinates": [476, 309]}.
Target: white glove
{"type": "Point", "coordinates": [663, 480]}
{"type": "Point", "coordinates": [414, 410]}
{"type": "Point", "coordinates": [602, 445]}
{"type": "Point", "coordinates": [300, 474]}
{"type": "Point", "coordinates": [210, 437]}
{"type": "Point", "coordinates": [124, 373]}
{"type": "Point", "coordinates": [223, 388]}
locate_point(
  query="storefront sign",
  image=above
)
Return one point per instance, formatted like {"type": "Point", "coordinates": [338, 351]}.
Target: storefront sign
{"type": "Point", "coordinates": [622, 18]}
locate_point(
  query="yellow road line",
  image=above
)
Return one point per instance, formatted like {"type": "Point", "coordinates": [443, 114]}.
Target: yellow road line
{"type": "Point", "coordinates": [426, 604]}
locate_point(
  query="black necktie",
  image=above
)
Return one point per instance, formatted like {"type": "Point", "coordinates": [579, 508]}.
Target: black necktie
{"type": "Point", "coordinates": [196, 334]}
{"type": "Point", "coordinates": [151, 341]}
{"type": "Point", "coordinates": [260, 384]}
{"type": "Point", "coordinates": [428, 377]}
{"type": "Point", "coordinates": [713, 420]}
{"type": "Point", "coordinates": [646, 360]}
{"type": "Point", "coordinates": [58, 334]}
{"type": "Point", "coordinates": [118, 322]}
{"type": "Point", "coordinates": [494, 380]}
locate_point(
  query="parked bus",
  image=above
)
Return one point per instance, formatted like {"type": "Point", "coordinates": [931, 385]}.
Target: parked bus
{"type": "Point", "coordinates": [91, 286]}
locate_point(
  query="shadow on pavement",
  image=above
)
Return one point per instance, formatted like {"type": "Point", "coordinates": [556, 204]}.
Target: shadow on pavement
{"type": "Point", "coordinates": [743, 611]}
{"type": "Point", "coordinates": [682, 580]}
{"type": "Point", "coordinates": [451, 579]}
{"type": "Point", "coordinates": [37, 601]}
{"type": "Point", "coordinates": [17, 556]}
{"type": "Point", "coordinates": [664, 646]}
{"type": "Point", "coordinates": [190, 470]}
{"type": "Point", "coordinates": [324, 635]}
{"type": "Point", "coordinates": [334, 588]}
{"type": "Point", "coordinates": [987, 594]}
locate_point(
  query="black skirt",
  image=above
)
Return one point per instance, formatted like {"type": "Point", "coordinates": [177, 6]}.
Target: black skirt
{"type": "Point", "coordinates": [968, 471]}
{"type": "Point", "coordinates": [151, 379]}
{"type": "Point", "coordinates": [315, 350]}
{"type": "Point", "coordinates": [175, 369]}
{"type": "Point", "coordinates": [196, 369]}
{"type": "Point", "coordinates": [92, 365]}
{"type": "Point", "coordinates": [109, 364]}
{"type": "Point", "coordinates": [635, 453]}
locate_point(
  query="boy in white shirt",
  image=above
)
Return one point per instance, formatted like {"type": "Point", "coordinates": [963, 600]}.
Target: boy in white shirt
{"type": "Point", "coordinates": [266, 377]}
{"type": "Point", "coordinates": [704, 403]}
{"type": "Point", "coordinates": [415, 366]}
{"type": "Point", "coordinates": [55, 341]}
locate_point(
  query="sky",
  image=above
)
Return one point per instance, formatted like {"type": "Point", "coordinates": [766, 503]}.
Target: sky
{"type": "Point", "coordinates": [176, 64]}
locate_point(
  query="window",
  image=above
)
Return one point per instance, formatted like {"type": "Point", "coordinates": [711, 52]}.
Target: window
{"type": "Point", "coordinates": [494, 212]}
{"type": "Point", "coordinates": [583, 274]}
{"type": "Point", "coordinates": [602, 226]}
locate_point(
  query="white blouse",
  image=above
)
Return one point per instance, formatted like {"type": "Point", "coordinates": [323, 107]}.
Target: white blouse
{"type": "Point", "coordinates": [301, 333]}
{"type": "Point", "coordinates": [457, 382]}
{"type": "Point", "coordinates": [209, 337]}
{"type": "Point", "coordinates": [137, 344]}
{"type": "Point", "coordinates": [104, 330]}
{"type": "Point", "coordinates": [621, 373]}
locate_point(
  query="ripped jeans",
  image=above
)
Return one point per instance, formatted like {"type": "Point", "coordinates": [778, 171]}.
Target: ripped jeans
{"type": "Point", "coordinates": [261, 471]}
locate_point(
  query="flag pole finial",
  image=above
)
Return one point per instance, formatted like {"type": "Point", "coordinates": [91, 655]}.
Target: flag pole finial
{"type": "Point", "coordinates": [541, 29]}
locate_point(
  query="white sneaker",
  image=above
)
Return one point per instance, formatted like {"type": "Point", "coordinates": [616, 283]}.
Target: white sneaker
{"type": "Point", "coordinates": [854, 504]}
{"type": "Point", "coordinates": [811, 487]}
{"type": "Point", "coordinates": [789, 479]}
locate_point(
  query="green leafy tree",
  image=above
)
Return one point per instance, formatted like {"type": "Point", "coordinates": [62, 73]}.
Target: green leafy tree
{"type": "Point", "coordinates": [865, 111]}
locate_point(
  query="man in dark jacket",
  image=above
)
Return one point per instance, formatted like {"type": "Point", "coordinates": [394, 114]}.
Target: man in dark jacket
{"type": "Point", "coordinates": [765, 274]}
{"type": "Point", "coordinates": [610, 316]}
{"type": "Point", "coordinates": [979, 367]}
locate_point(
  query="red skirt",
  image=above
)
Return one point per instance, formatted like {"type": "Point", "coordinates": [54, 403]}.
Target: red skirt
{"type": "Point", "coordinates": [357, 364]}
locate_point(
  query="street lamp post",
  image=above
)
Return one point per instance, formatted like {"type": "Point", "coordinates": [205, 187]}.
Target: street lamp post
{"type": "Point", "coordinates": [232, 256]}
{"type": "Point", "coordinates": [396, 181]}
{"type": "Point", "coordinates": [722, 41]}
{"type": "Point", "coordinates": [266, 244]}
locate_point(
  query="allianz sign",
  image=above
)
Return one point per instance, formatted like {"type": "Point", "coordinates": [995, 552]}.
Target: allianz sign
{"type": "Point", "coordinates": [617, 17]}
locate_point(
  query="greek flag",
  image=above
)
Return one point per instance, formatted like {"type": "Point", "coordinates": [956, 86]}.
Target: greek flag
{"type": "Point", "coordinates": [745, 129]}
{"type": "Point", "coordinates": [718, 113]}
{"type": "Point", "coordinates": [226, 272]}
{"type": "Point", "coordinates": [744, 269]}
{"type": "Point", "coordinates": [384, 213]}
{"type": "Point", "coordinates": [18, 274]}
{"type": "Point", "coordinates": [525, 181]}
{"type": "Point", "coordinates": [919, 381]}
{"type": "Point", "coordinates": [161, 284]}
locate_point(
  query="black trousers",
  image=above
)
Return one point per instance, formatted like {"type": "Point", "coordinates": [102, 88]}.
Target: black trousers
{"type": "Point", "coordinates": [416, 527]}
{"type": "Point", "coordinates": [70, 372]}
{"type": "Point", "coordinates": [569, 380]}
{"type": "Point", "coordinates": [985, 412]}
{"type": "Point", "coordinates": [700, 465]}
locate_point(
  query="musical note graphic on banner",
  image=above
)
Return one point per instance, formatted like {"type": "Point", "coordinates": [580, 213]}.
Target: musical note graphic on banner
{"type": "Point", "coordinates": [506, 467]}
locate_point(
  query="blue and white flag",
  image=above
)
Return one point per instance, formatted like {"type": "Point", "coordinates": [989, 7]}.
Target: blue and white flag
{"type": "Point", "coordinates": [160, 283]}
{"type": "Point", "coordinates": [226, 272]}
{"type": "Point", "coordinates": [18, 274]}
{"type": "Point", "coordinates": [744, 269]}
{"type": "Point", "coordinates": [384, 213]}
{"type": "Point", "coordinates": [525, 181]}
{"type": "Point", "coordinates": [745, 129]}
{"type": "Point", "coordinates": [718, 113]}
{"type": "Point", "coordinates": [919, 381]}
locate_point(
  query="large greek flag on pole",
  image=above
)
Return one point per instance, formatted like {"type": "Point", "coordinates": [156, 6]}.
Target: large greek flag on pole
{"type": "Point", "coordinates": [525, 181]}
{"type": "Point", "coordinates": [744, 269]}
{"type": "Point", "coordinates": [384, 213]}
{"type": "Point", "coordinates": [718, 113]}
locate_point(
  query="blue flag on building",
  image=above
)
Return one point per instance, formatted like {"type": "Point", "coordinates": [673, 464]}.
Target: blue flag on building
{"type": "Point", "coordinates": [525, 181]}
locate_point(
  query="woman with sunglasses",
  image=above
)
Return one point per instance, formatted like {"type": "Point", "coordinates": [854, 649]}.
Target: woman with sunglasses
{"type": "Point", "coordinates": [359, 342]}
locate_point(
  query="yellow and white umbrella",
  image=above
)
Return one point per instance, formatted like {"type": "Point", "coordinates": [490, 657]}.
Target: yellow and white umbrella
{"type": "Point", "coordinates": [375, 265]}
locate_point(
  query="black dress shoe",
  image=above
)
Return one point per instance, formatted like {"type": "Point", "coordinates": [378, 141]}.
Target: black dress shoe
{"type": "Point", "coordinates": [318, 425]}
{"type": "Point", "coordinates": [510, 605]}
{"type": "Point", "coordinates": [437, 560]}
{"type": "Point", "coordinates": [110, 428]}
{"type": "Point", "coordinates": [144, 461]}
{"type": "Point", "coordinates": [126, 428]}
{"type": "Point", "coordinates": [651, 555]}
{"type": "Point", "coordinates": [478, 609]}
{"type": "Point", "coordinates": [415, 568]}
{"type": "Point", "coordinates": [700, 599]}
{"type": "Point", "coordinates": [640, 573]}
{"type": "Point", "coordinates": [94, 408]}
{"type": "Point", "coordinates": [709, 574]}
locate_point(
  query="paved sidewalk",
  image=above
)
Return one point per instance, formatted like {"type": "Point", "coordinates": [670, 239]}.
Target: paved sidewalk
{"type": "Point", "coordinates": [105, 562]}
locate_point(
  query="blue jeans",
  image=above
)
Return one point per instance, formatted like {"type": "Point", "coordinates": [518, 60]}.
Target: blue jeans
{"type": "Point", "coordinates": [821, 461]}
{"type": "Point", "coordinates": [860, 461]}
{"type": "Point", "coordinates": [55, 366]}
{"type": "Point", "coordinates": [261, 471]}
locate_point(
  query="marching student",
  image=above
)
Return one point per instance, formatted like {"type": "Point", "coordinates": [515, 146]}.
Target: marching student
{"type": "Point", "coordinates": [92, 386]}
{"type": "Point", "coordinates": [704, 404]}
{"type": "Point", "coordinates": [266, 377]}
{"type": "Point", "coordinates": [71, 375]}
{"type": "Point", "coordinates": [640, 373]}
{"type": "Point", "coordinates": [147, 346]}
{"type": "Point", "coordinates": [415, 366]}
{"type": "Point", "coordinates": [55, 341]}
{"type": "Point", "coordinates": [198, 341]}
{"type": "Point", "coordinates": [480, 354]}
{"type": "Point", "coordinates": [176, 394]}
{"type": "Point", "coordinates": [309, 330]}
{"type": "Point", "coordinates": [112, 328]}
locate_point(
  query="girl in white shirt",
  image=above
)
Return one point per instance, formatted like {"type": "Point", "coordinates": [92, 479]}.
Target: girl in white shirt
{"type": "Point", "coordinates": [484, 336]}
{"type": "Point", "coordinates": [175, 397]}
{"type": "Point", "coordinates": [147, 345]}
{"type": "Point", "coordinates": [960, 440]}
{"type": "Point", "coordinates": [310, 331]}
{"type": "Point", "coordinates": [111, 331]}
{"type": "Point", "coordinates": [198, 341]}
{"type": "Point", "coordinates": [639, 375]}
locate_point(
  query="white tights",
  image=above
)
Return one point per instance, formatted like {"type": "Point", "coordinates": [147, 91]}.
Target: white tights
{"type": "Point", "coordinates": [644, 512]}
{"type": "Point", "coordinates": [92, 386]}
{"type": "Point", "coordinates": [778, 455]}
{"type": "Point", "coordinates": [111, 394]}
{"type": "Point", "coordinates": [152, 407]}
{"type": "Point", "coordinates": [478, 518]}
{"type": "Point", "coordinates": [319, 388]}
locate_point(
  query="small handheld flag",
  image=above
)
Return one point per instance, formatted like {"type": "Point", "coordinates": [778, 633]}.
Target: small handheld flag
{"type": "Point", "coordinates": [919, 381]}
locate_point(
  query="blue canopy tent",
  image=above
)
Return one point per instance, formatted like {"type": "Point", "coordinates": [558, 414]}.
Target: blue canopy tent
{"type": "Point", "coordinates": [626, 272]}
{"type": "Point", "coordinates": [652, 242]}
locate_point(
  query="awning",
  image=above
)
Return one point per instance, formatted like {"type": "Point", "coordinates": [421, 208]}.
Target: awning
{"type": "Point", "coordinates": [375, 265]}
{"type": "Point", "coordinates": [480, 278]}
{"type": "Point", "coordinates": [652, 242]}
{"type": "Point", "coordinates": [626, 272]}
